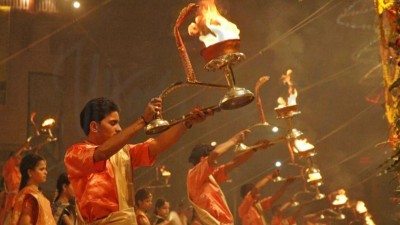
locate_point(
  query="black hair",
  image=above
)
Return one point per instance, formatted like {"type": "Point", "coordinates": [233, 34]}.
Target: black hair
{"type": "Point", "coordinates": [61, 180]}
{"type": "Point", "coordinates": [159, 203]}
{"type": "Point", "coordinates": [28, 162]}
{"type": "Point", "coordinates": [141, 195]}
{"type": "Point", "coordinates": [245, 188]}
{"type": "Point", "coordinates": [96, 110]}
{"type": "Point", "coordinates": [200, 150]}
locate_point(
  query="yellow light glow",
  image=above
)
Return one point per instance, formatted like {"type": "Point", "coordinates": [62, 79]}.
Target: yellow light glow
{"type": "Point", "coordinates": [76, 4]}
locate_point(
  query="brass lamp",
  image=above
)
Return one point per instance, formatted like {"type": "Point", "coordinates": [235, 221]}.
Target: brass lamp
{"type": "Point", "coordinates": [223, 55]}
{"type": "Point", "coordinates": [46, 127]}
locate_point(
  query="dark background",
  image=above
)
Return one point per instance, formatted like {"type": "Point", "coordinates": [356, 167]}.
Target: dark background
{"type": "Point", "coordinates": [125, 50]}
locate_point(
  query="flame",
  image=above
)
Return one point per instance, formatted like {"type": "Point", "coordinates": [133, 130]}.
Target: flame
{"type": "Point", "coordinates": [164, 172]}
{"type": "Point", "coordinates": [314, 176]}
{"type": "Point", "coordinates": [210, 26]}
{"type": "Point", "coordinates": [291, 100]}
{"type": "Point", "coordinates": [360, 207]}
{"type": "Point", "coordinates": [340, 198]}
{"type": "Point", "coordinates": [48, 123]}
{"type": "Point", "coordinates": [302, 145]}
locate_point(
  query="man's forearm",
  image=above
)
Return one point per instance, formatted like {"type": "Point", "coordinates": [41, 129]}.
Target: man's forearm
{"type": "Point", "coordinates": [116, 142]}
{"type": "Point", "coordinates": [166, 139]}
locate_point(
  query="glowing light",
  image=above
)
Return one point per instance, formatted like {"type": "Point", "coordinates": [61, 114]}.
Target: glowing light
{"type": "Point", "coordinates": [360, 207]}
{"type": "Point", "coordinates": [278, 164]}
{"type": "Point", "coordinates": [340, 198]}
{"type": "Point", "coordinates": [76, 4]}
{"type": "Point", "coordinates": [275, 129]}
{"type": "Point", "coordinates": [303, 145]}
{"type": "Point", "coordinates": [314, 176]}
{"type": "Point", "coordinates": [214, 143]}
{"type": "Point", "coordinates": [48, 123]}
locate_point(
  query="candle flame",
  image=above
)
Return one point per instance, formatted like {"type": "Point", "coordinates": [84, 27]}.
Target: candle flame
{"type": "Point", "coordinates": [210, 26]}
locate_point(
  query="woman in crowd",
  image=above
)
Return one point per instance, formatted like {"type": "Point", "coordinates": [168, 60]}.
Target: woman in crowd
{"type": "Point", "coordinates": [143, 201]}
{"type": "Point", "coordinates": [63, 210]}
{"type": "Point", "coordinates": [161, 212]}
{"type": "Point", "coordinates": [31, 206]}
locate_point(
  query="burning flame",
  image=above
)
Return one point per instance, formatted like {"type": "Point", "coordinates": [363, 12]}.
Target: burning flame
{"type": "Point", "coordinates": [164, 172]}
{"type": "Point", "coordinates": [314, 176]}
{"type": "Point", "coordinates": [302, 145]}
{"type": "Point", "coordinates": [340, 198]}
{"type": "Point", "coordinates": [291, 100]}
{"type": "Point", "coordinates": [360, 207]}
{"type": "Point", "coordinates": [210, 26]}
{"type": "Point", "coordinates": [48, 123]}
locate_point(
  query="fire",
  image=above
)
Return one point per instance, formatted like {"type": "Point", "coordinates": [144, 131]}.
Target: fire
{"type": "Point", "coordinates": [302, 145]}
{"type": "Point", "coordinates": [314, 176]}
{"type": "Point", "coordinates": [210, 26]}
{"type": "Point", "coordinates": [340, 198]}
{"type": "Point", "coordinates": [291, 100]}
{"type": "Point", "coordinates": [360, 207]}
{"type": "Point", "coordinates": [48, 123]}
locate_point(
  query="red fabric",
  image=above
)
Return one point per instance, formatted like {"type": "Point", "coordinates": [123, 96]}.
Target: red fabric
{"type": "Point", "coordinates": [206, 194]}
{"type": "Point", "coordinates": [94, 183]}
{"type": "Point", "coordinates": [12, 179]}
{"type": "Point", "coordinates": [12, 175]}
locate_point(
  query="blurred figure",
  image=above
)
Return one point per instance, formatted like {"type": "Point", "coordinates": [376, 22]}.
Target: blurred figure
{"type": "Point", "coordinates": [195, 219]}
{"type": "Point", "coordinates": [12, 179]}
{"type": "Point", "coordinates": [252, 207]}
{"type": "Point", "coordinates": [64, 203]}
{"type": "Point", "coordinates": [205, 194]}
{"type": "Point", "coordinates": [100, 168]}
{"type": "Point", "coordinates": [143, 201]}
{"type": "Point", "coordinates": [31, 206]}
{"type": "Point", "coordinates": [183, 212]}
{"type": "Point", "coordinates": [361, 216]}
{"type": "Point", "coordinates": [161, 212]}
{"type": "Point", "coordinates": [278, 217]}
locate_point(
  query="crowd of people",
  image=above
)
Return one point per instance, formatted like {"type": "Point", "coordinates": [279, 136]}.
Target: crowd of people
{"type": "Point", "coordinates": [98, 186]}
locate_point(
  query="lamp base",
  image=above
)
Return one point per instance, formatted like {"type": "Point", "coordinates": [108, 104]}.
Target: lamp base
{"type": "Point", "coordinates": [156, 126]}
{"type": "Point", "coordinates": [235, 98]}
{"type": "Point", "coordinates": [286, 111]}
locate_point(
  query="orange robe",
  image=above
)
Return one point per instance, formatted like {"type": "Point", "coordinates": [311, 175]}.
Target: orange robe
{"type": "Point", "coordinates": [206, 194]}
{"type": "Point", "coordinates": [250, 210]}
{"type": "Point", "coordinates": [41, 212]}
{"type": "Point", "coordinates": [95, 186]}
{"type": "Point", "coordinates": [279, 220]}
